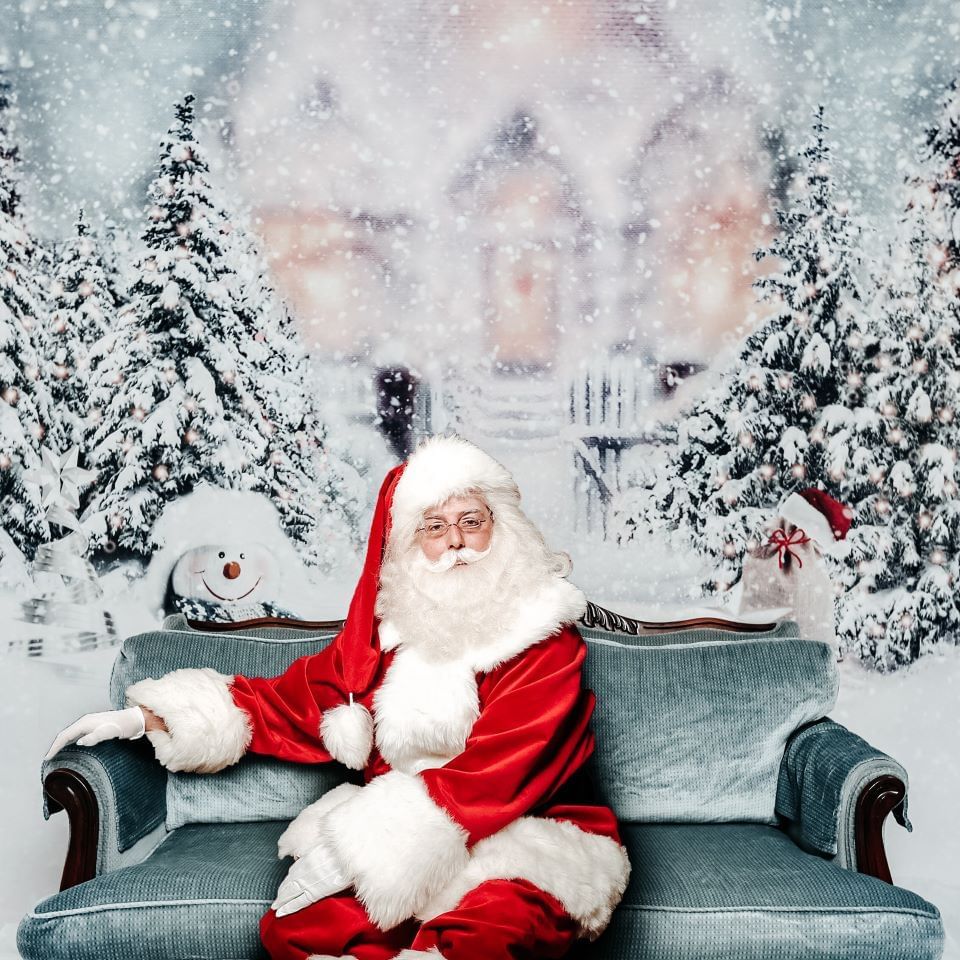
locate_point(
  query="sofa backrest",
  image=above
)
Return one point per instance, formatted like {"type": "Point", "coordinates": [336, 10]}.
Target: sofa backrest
{"type": "Point", "coordinates": [691, 725]}
{"type": "Point", "coordinates": [256, 788]}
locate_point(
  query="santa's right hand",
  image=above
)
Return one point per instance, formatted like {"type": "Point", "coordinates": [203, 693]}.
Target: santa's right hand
{"type": "Point", "coordinates": [93, 728]}
{"type": "Point", "coordinates": [304, 832]}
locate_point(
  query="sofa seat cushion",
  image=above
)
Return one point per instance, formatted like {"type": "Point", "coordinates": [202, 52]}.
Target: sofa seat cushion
{"type": "Point", "coordinates": [710, 891]}
{"type": "Point", "coordinates": [200, 895]}
{"type": "Point", "coordinates": [738, 891]}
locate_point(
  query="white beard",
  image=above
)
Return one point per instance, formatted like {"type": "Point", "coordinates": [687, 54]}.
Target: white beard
{"type": "Point", "coordinates": [445, 608]}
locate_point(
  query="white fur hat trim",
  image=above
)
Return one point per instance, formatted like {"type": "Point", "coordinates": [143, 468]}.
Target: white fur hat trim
{"type": "Point", "coordinates": [445, 467]}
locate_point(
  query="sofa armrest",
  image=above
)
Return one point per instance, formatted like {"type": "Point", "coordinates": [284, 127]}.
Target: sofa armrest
{"type": "Point", "coordinates": [835, 791]}
{"type": "Point", "coordinates": [115, 797]}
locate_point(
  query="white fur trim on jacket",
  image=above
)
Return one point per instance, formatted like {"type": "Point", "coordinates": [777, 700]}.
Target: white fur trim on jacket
{"type": "Point", "coordinates": [586, 872]}
{"type": "Point", "coordinates": [303, 832]}
{"type": "Point", "coordinates": [414, 954]}
{"type": "Point", "coordinates": [206, 730]}
{"type": "Point", "coordinates": [559, 602]}
{"type": "Point", "coordinates": [541, 616]}
{"type": "Point", "coordinates": [396, 845]}
{"type": "Point", "coordinates": [444, 467]}
{"type": "Point", "coordinates": [347, 733]}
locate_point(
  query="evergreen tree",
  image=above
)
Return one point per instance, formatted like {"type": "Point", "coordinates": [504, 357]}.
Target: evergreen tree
{"type": "Point", "coordinates": [198, 388]}
{"type": "Point", "coordinates": [25, 410]}
{"type": "Point", "coordinates": [116, 254]}
{"type": "Point", "coordinates": [756, 436]}
{"type": "Point", "coordinates": [82, 314]}
{"type": "Point", "coordinates": [905, 546]}
{"type": "Point", "coordinates": [906, 543]}
{"type": "Point", "coordinates": [937, 191]}
{"type": "Point", "coordinates": [317, 491]}
{"type": "Point", "coordinates": [164, 426]}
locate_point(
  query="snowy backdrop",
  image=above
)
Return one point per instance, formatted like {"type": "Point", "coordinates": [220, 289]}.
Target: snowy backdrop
{"type": "Point", "coordinates": [668, 260]}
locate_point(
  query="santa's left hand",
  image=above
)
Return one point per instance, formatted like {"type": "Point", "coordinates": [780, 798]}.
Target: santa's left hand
{"type": "Point", "coordinates": [313, 877]}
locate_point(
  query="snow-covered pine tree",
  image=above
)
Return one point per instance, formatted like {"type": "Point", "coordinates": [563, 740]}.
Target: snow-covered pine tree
{"type": "Point", "coordinates": [905, 548]}
{"type": "Point", "coordinates": [25, 410]}
{"type": "Point", "coordinates": [939, 187]}
{"type": "Point", "coordinates": [164, 426]}
{"type": "Point", "coordinates": [116, 246]}
{"type": "Point", "coordinates": [314, 488]}
{"type": "Point", "coordinates": [82, 314]}
{"type": "Point", "coordinates": [756, 436]}
{"type": "Point", "coordinates": [189, 392]}
{"type": "Point", "coordinates": [906, 545]}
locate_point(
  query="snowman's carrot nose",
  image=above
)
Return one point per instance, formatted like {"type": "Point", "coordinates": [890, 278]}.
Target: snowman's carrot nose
{"type": "Point", "coordinates": [231, 570]}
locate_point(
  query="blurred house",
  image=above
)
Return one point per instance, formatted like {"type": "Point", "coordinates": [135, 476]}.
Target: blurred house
{"type": "Point", "coordinates": [512, 209]}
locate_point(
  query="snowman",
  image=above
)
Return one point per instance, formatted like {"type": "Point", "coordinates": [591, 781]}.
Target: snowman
{"type": "Point", "coordinates": [222, 555]}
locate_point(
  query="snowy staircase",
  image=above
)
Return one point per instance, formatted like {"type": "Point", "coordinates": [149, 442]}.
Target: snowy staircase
{"type": "Point", "coordinates": [526, 411]}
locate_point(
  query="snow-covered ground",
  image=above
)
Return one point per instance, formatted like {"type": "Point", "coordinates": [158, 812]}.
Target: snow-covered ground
{"type": "Point", "coordinates": [913, 715]}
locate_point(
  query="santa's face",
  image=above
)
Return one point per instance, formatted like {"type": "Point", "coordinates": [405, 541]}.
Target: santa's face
{"type": "Point", "coordinates": [226, 574]}
{"type": "Point", "coordinates": [444, 606]}
{"type": "Point", "coordinates": [455, 532]}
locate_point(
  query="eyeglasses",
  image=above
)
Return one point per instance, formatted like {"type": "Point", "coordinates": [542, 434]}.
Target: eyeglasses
{"type": "Point", "coordinates": [435, 528]}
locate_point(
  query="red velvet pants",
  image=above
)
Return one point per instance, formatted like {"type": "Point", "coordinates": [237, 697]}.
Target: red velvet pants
{"type": "Point", "coordinates": [497, 920]}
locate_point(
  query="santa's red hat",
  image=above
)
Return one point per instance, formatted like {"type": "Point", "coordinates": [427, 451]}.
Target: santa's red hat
{"type": "Point", "coordinates": [822, 518]}
{"type": "Point", "coordinates": [445, 467]}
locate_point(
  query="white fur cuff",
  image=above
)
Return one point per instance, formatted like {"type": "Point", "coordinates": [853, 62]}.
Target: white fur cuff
{"type": "Point", "coordinates": [206, 730]}
{"type": "Point", "coordinates": [414, 954]}
{"type": "Point", "coordinates": [303, 833]}
{"type": "Point", "coordinates": [398, 846]}
{"type": "Point", "coordinates": [347, 733]}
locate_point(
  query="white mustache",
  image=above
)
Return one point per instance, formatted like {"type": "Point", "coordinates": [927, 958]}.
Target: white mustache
{"type": "Point", "coordinates": [451, 558]}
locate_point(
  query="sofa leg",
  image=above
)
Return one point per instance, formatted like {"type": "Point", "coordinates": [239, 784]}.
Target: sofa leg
{"type": "Point", "coordinates": [876, 801]}
{"type": "Point", "coordinates": [67, 790]}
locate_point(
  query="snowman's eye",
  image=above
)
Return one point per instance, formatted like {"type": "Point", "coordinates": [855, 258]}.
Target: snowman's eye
{"type": "Point", "coordinates": [221, 554]}
{"type": "Point", "coordinates": [241, 556]}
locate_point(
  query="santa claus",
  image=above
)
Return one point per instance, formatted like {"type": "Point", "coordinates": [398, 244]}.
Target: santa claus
{"type": "Point", "coordinates": [455, 686]}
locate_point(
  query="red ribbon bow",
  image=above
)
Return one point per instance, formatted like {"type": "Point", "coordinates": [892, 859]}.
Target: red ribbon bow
{"type": "Point", "coordinates": [783, 543]}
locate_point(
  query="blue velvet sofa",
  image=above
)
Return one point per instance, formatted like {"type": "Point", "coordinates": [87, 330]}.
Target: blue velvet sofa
{"type": "Point", "coordinates": [753, 821]}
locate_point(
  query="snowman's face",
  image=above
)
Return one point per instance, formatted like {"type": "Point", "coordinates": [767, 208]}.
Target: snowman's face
{"type": "Point", "coordinates": [226, 574]}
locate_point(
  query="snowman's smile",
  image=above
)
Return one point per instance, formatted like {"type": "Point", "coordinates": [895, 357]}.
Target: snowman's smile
{"type": "Point", "coordinates": [229, 599]}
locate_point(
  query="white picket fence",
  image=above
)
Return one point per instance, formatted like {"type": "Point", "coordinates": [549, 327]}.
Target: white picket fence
{"type": "Point", "coordinates": [610, 399]}
{"type": "Point", "coordinates": [611, 394]}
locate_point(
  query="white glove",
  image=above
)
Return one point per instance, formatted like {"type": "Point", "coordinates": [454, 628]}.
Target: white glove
{"type": "Point", "coordinates": [314, 876]}
{"type": "Point", "coordinates": [303, 832]}
{"type": "Point", "coordinates": [91, 728]}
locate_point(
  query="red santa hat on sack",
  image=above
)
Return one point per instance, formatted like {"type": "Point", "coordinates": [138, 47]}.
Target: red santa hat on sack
{"type": "Point", "coordinates": [823, 519]}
